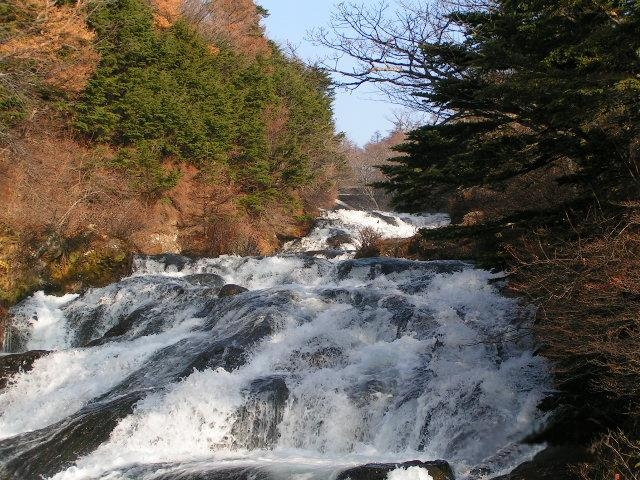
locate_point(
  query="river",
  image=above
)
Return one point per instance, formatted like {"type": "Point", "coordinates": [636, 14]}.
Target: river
{"type": "Point", "coordinates": [310, 363]}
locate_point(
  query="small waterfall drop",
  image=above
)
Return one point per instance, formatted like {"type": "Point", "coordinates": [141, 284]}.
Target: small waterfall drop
{"type": "Point", "coordinates": [322, 363]}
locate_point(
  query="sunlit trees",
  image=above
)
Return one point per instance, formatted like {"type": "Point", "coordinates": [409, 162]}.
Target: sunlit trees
{"type": "Point", "coordinates": [166, 96]}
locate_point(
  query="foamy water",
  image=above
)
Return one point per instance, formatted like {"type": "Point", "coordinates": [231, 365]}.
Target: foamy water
{"type": "Point", "coordinates": [322, 364]}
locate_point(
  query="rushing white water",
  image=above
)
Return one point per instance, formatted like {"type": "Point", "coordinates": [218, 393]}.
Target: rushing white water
{"type": "Point", "coordinates": [323, 363]}
{"type": "Point", "coordinates": [345, 227]}
{"type": "Point", "coordinates": [410, 473]}
{"type": "Point", "coordinates": [43, 322]}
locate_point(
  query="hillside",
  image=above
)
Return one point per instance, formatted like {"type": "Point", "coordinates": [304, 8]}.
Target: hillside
{"type": "Point", "coordinates": [128, 127]}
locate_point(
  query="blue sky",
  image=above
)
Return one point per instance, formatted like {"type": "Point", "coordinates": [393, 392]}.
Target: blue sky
{"type": "Point", "coordinates": [361, 113]}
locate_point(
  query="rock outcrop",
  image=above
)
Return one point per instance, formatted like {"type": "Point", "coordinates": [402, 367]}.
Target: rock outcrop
{"type": "Point", "coordinates": [438, 470]}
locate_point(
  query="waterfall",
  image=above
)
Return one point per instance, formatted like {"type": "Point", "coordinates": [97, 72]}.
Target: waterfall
{"type": "Point", "coordinates": [324, 362]}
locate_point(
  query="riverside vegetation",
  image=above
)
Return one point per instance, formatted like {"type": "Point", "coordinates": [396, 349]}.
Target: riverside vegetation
{"type": "Point", "coordinates": [128, 126]}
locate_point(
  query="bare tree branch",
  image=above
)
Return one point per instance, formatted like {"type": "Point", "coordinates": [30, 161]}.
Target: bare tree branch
{"type": "Point", "coordinates": [384, 44]}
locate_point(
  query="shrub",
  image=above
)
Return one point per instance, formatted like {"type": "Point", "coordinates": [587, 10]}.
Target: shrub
{"type": "Point", "coordinates": [619, 458]}
{"type": "Point", "coordinates": [369, 240]}
{"type": "Point", "coordinates": [586, 281]}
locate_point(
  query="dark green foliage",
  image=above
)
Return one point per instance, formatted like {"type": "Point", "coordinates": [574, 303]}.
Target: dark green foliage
{"type": "Point", "coordinates": [12, 110]}
{"type": "Point", "coordinates": [13, 87]}
{"type": "Point", "coordinates": [14, 18]}
{"type": "Point", "coordinates": [531, 83]}
{"type": "Point", "coordinates": [146, 169]}
{"type": "Point", "coordinates": [168, 96]}
{"type": "Point", "coordinates": [164, 90]}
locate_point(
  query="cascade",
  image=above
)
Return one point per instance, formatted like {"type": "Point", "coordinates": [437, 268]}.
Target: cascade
{"type": "Point", "coordinates": [320, 363]}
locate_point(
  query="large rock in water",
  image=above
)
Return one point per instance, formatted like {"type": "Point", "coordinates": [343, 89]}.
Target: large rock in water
{"type": "Point", "coordinates": [438, 470]}
{"type": "Point", "coordinates": [257, 421]}
{"type": "Point", "coordinates": [552, 463]}
{"type": "Point", "coordinates": [17, 362]}
{"type": "Point", "coordinates": [339, 238]}
{"type": "Point", "coordinates": [229, 290]}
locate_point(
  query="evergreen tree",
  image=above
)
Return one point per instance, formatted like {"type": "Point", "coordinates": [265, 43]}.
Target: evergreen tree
{"type": "Point", "coordinates": [163, 96]}
{"type": "Point", "coordinates": [529, 84]}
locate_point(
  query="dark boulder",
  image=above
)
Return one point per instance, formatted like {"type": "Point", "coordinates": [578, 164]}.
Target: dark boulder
{"type": "Point", "coordinates": [171, 261]}
{"type": "Point", "coordinates": [338, 239]}
{"type": "Point", "coordinates": [40, 453]}
{"type": "Point", "coordinates": [17, 362]}
{"type": "Point", "coordinates": [205, 280]}
{"type": "Point", "coordinates": [438, 470]}
{"type": "Point", "coordinates": [229, 290]}
{"type": "Point", "coordinates": [560, 462]}
{"type": "Point", "coordinates": [258, 420]}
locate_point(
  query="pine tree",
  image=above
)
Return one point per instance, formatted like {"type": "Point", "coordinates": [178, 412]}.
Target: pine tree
{"type": "Point", "coordinates": [167, 96]}
{"type": "Point", "coordinates": [530, 84]}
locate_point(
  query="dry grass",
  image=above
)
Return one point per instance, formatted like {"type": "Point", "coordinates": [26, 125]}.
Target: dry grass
{"type": "Point", "coordinates": [587, 287]}
{"type": "Point", "coordinates": [370, 243]}
{"type": "Point", "coordinates": [234, 22]}
{"type": "Point", "coordinates": [620, 459]}
{"type": "Point", "coordinates": [56, 45]}
{"type": "Point", "coordinates": [54, 185]}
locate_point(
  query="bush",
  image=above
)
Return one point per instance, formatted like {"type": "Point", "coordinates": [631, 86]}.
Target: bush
{"type": "Point", "coordinates": [619, 458]}
{"type": "Point", "coordinates": [369, 240]}
{"type": "Point", "coordinates": [586, 281]}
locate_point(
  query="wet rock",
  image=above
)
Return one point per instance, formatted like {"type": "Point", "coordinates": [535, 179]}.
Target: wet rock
{"type": "Point", "coordinates": [134, 307]}
{"type": "Point", "coordinates": [228, 357]}
{"type": "Point", "coordinates": [17, 362]}
{"type": "Point", "coordinates": [205, 280]}
{"type": "Point", "coordinates": [438, 470]}
{"type": "Point", "coordinates": [258, 420]}
{"type": "Point", "coordinates": [190, 472]}
{"type": "Point", "coordinates": [323, 253]}
{"type": "Point", "coordinates": [171, 261]}
{"type": "Point", "coordinates": [125, 324]}
{"type": "Point", "coordinates": [401, 312]}
{"type": "Point", "coordinates": [326, 357]}
{"type": "Point", "coordinates": [229, 290]}
{"type": "Point", "coordinates": [550, 464]}
{"type": "Point", "coordinates": [389, 266]}
{"type": "Point", "coordinates": [339, 238]}
{"type": "Point", "coordinates": [42, 452]}
{"type": "Point", "coordinates": [386, 218]}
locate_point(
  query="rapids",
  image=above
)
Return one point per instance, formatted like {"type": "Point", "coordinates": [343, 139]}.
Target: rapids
{"type": "Point", "coordinates": [323, 363]}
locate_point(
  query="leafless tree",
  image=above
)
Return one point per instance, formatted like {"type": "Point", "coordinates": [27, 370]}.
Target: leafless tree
{"type": "Point", "coordinates": [235, 22]}
{"type": "Point", "coordinates": [363, 166]}
{"type": "Point", "coordinates": [388, 45]}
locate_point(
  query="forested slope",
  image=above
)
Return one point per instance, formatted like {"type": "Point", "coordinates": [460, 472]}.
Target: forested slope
{"type": "Point", "coordinates": [168, 126]}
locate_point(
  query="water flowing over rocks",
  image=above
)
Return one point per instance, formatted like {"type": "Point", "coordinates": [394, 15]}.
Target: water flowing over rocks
{"type": "Point", "coordinates": [229, 290]}
{"type": "Point", "coordinates": [298, 365]}
{"type": "Point", "coordinates": [16, 363]}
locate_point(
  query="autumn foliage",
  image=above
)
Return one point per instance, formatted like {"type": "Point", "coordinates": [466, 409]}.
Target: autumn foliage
{"type": "Point", "coordinates": [171, 127]}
